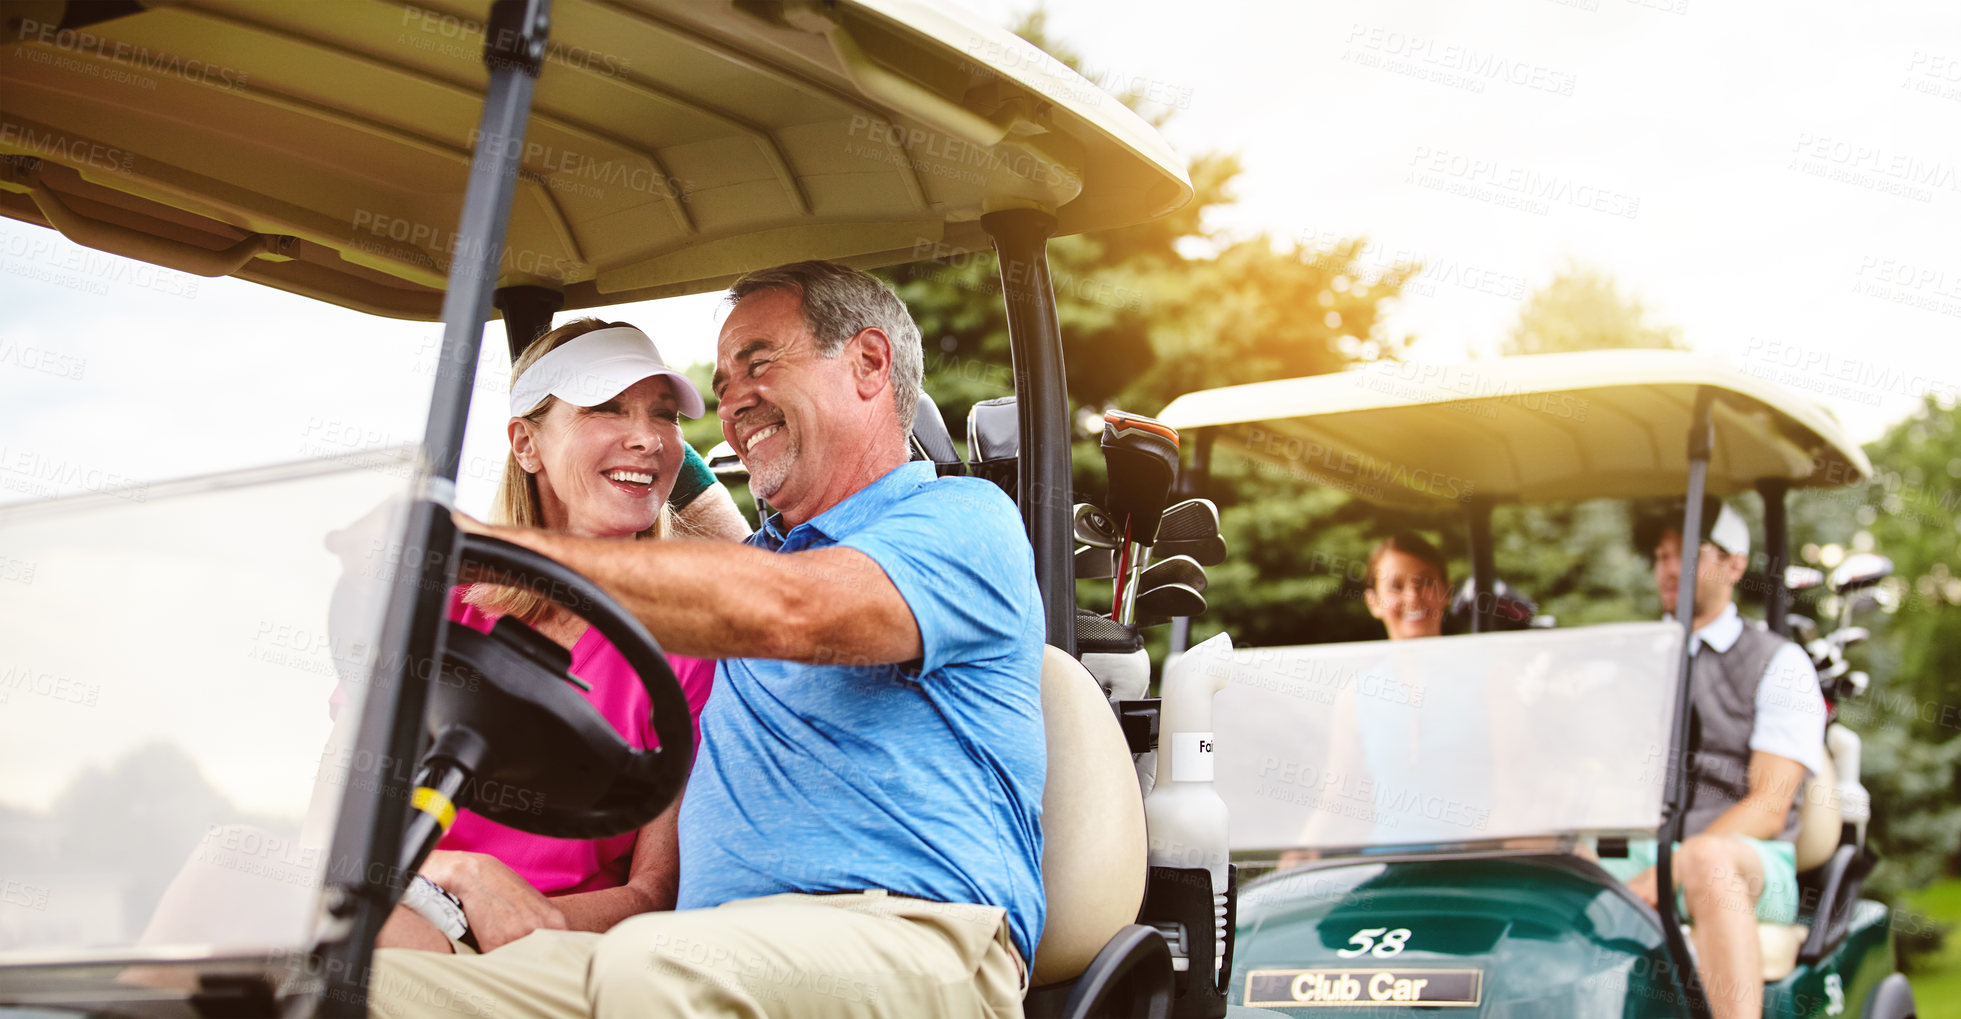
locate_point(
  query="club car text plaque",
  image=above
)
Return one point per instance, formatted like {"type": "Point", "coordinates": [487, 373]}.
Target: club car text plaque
{"type": "Point", "coordinates": [1347, 988]}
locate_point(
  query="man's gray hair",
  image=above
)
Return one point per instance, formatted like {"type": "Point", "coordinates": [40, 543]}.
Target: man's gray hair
{"type": "Point", "coordinates": [838, 302]}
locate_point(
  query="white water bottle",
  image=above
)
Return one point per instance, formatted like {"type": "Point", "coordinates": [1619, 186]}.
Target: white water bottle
{"type": "Point", "coordinates": [1184, 814]}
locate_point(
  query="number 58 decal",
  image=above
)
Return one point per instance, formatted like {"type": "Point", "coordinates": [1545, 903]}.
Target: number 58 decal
{"type": "Point", "coordinates": [1365, 942]}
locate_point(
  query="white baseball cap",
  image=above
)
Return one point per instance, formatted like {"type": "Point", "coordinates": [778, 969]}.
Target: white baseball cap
{"type": "Point", "coordinates": [594, 367]}
{"type": "Point", "coordinates": [1729, 532]}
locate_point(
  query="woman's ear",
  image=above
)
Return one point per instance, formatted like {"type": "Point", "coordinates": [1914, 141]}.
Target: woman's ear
{"type": "Point", "coordinates": [524, 444]}
{"type": "Point", "coordinates": [1369, 598]}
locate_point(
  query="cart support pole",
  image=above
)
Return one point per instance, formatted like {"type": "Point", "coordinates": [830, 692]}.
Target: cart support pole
{"type": "Point", "coordinates": [1484, 569]}
{"type": "Point", "coordinates": [528, 315]}
{"type": "Point", "coordinates": [1675, 782]}
{"type": "Point", "coordinates": [365, 870]}
{"type": "Point", "coordinates": [1777, 553]}
{"type": "Point", "coordinates": [1021, 238]}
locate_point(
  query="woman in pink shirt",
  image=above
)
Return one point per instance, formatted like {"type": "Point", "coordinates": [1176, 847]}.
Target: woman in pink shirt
{"type": "Point", "coordinates": [595, 450]}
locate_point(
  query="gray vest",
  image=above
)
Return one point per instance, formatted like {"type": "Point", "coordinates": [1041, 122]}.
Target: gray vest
{"type": "Point", "coordinates": [1723, 691]}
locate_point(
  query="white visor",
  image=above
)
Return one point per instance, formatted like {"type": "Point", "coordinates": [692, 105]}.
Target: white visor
{"type": "Point", "coordinates": [590, 369]}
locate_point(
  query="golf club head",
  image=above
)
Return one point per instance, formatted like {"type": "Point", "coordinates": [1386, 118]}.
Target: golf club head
{"type": "Point", "coordinates": [1802, 578]}
{"type": "Point", "coordinates": [1802, 628]}
{"type": "Point", "coordinates": [1142, 457]}
{"type": "Point", "coordinates": [1191, 520]}
{"type": "Point", "coordinates": [1863, 600]}
{"type": "Point", "coordinates": [1206, 551]}
{"type": "Point", "coordinates": [994, 442]}
{"type": "Point", "coordinates": [1850, 636]}
{"type": "Point", "coordinates": [724, 464]}
{"type": "Point", "coordinates": [1169, 600]}
{"type": "Point", "coordinates": [1860, 569]}
{"type": "Point", "coordinates": [1095, 563]}
{"type": "Point", "coordinates": [1096, 528]}
{"type": "Point", "coordinates": [1181, 569]}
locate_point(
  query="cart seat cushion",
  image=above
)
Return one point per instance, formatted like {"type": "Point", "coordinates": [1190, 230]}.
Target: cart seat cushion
{"type": "Point", "coordinates": [1093, 851]}
{"type": "Point", "coordinates": [1779, 943]}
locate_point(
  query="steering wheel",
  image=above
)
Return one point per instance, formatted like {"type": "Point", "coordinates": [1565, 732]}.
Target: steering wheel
{"type": "Point", "coordinates": [538, 756]}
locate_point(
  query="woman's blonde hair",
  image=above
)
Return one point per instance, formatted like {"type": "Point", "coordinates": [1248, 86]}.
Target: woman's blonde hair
{"type": "Point", "coordinates": [517, 502]}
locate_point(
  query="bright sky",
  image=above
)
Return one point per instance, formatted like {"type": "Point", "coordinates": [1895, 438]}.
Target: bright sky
{"type": "Point", "coordinates": [1782, 181]}
{"type": "Point", "coordinates": [1784, 188]}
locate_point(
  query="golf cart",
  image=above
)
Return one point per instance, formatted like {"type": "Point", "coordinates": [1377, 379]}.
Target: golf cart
{"type": "Point", "coordinates": [212, 810]}
{"type": "Point", "coordinates": [1422, 809]}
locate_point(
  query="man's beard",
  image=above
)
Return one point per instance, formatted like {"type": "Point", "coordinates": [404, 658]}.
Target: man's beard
{"type": "Point", "coordinates": [767, 478]}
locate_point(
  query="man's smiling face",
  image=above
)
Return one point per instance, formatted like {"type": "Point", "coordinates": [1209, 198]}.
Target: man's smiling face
{"type": "Point", "coordinates": [775, 390]}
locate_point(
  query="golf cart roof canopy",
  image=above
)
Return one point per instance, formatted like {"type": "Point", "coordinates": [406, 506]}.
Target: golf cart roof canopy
{"type": "Point", "coordinates": [1541, 428]}
{"type": "Point", "coordinates": [323, 148]}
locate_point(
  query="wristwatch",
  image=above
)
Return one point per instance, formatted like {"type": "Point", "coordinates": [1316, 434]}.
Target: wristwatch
{"type": "Point", "coordinates": [434, 903]}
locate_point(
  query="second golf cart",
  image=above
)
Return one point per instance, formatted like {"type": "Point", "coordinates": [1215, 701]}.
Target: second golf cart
{"type": "Point", "coordinates": [1421, 808]}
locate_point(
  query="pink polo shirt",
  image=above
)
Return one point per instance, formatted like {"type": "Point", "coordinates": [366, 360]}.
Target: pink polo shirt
{"type": "Point", "coordinates": [563, 866]}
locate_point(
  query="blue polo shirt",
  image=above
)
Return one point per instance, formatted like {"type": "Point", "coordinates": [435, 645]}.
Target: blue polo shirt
{"type": "Point", "coordinates": [925, 778]}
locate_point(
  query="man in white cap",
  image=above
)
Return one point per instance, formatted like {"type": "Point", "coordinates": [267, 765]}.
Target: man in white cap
{"type": "Point", "coordinates": [1759, 730]}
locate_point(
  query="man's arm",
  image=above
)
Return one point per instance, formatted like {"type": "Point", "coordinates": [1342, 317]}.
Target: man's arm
{"type": "Point", "coordinates": [1761, 813]}
{"type": "Point", "coordinates": [720, 600]}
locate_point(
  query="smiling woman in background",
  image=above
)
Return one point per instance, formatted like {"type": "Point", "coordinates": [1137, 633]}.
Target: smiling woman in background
{"type": "Point", "coordinates": [1407, 582]}
{"type": "Point", "coordinates": [596, 450]}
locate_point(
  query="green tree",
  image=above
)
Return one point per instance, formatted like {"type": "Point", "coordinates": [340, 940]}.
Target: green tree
{"type": "Point", "coordinates": [1147, 315]}
{"type": "Point", "coordinates": [1911, 717]}
{"type": "Point", "coordinates": [1584, 310]}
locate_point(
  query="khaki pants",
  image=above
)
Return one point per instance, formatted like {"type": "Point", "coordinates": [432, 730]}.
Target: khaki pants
{"type": "Point", "coordinates": [865, 954]}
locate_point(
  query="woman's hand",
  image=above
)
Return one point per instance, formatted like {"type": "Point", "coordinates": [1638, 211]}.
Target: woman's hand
{"type": "Point", "coordinates": [407, 929]}
{"type": "Point", "coordinates": [501, 906]}
{"type": "Point", "coordinates": [467, 523]}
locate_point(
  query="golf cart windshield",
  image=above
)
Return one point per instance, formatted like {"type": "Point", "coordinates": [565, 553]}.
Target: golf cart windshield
{"type": "Point", "coordinates": [1447, 740]}
{"type": "Point", "coordinates": [183, 676]}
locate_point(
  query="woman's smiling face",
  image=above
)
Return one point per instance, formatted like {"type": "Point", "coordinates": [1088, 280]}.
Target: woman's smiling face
{"type": "Point", "coordinates": [1408, 596]}
{"type": "Point", "coordinates": [604, 471]}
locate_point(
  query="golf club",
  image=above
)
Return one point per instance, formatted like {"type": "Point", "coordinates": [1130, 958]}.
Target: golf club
{"type": "Point", "coordinates": [1179, 569]}
{"type": "Point", "coordinates": [1191, 528]}
{"type": "Point", "coordinates": [1206, 551]}
{"type": "Point", "coordinates": [1095, 528]}
{"type": "Point", "coordinates": [1189, 520]}
{"type": "Point", "coordinates": [1168, 600]}
{"type": "Point", "coordinates": [1141, 455]}
{"type": "Point", "coordinates": [1094, 562]}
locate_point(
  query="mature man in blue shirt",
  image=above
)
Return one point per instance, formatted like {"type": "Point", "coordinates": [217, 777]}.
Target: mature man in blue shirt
{"type": "Point", "coordinates": [861, 835]}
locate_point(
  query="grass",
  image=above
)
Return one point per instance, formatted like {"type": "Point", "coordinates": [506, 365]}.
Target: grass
{"type": "Point", "coordinates": [1937, 978]}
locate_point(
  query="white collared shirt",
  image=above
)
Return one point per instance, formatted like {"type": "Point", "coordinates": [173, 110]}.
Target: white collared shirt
{"type": "Point", "coordinates": [1790, 707]}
